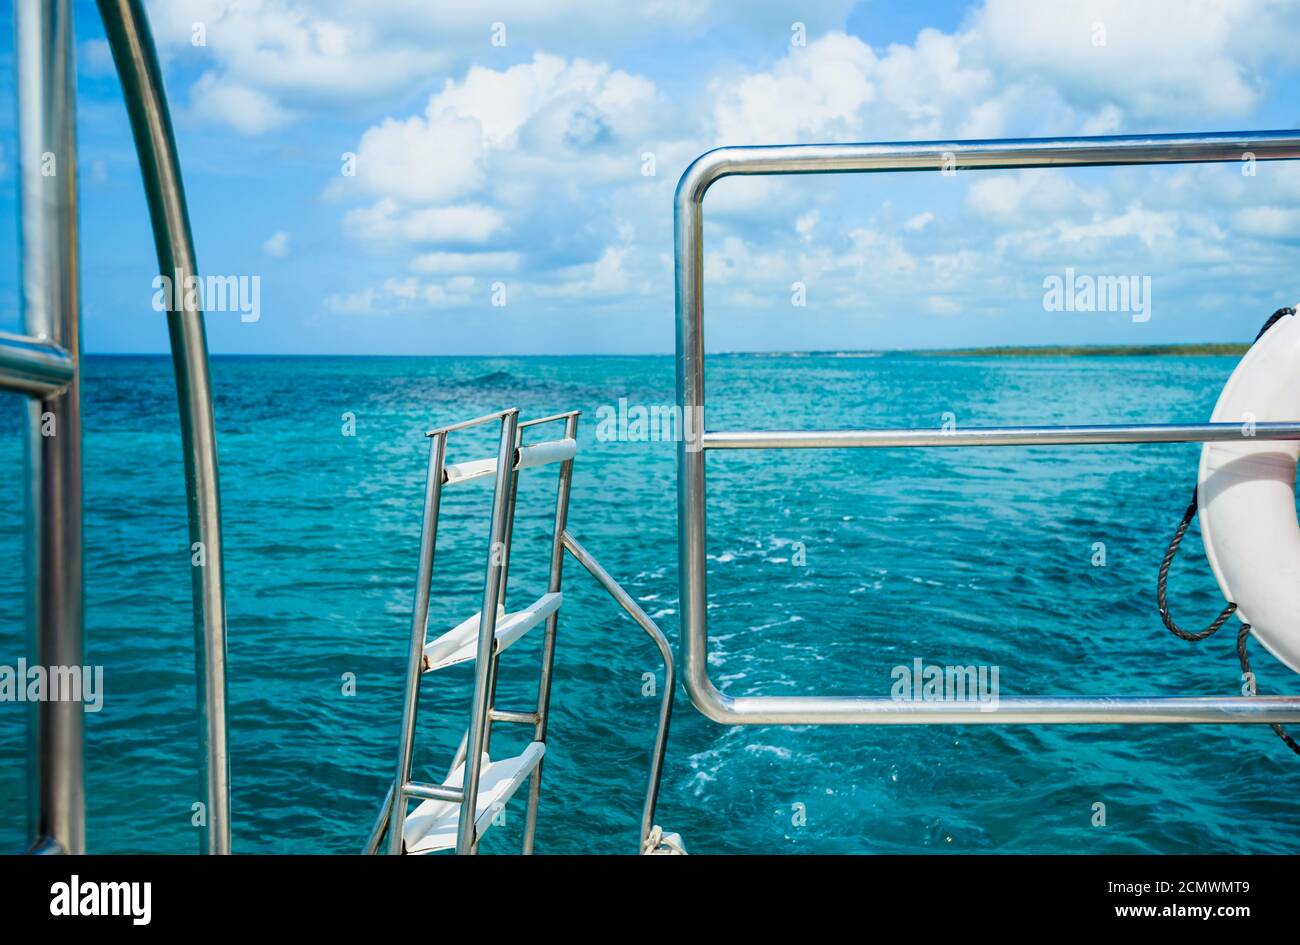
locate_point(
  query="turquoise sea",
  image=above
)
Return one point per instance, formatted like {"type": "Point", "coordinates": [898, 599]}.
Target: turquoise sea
{"type": "Point", "coordinates": [970, 556]}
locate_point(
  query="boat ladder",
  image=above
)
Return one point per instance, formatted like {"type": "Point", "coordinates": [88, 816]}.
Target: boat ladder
{"type": "Point", "coordinates": [443, 819]}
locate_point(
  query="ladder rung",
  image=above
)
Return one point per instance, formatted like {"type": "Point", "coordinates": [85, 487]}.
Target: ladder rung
{"type": "Point", "coordinates": [552, 451]}
{"type": "Point", "coordinates": [432, 825]}
{"type": "Point", "coordinates": [460, 643]}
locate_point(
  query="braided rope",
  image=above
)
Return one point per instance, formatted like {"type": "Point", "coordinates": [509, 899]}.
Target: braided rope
{"type": "Point", "coordinates": [1242, 636]}
{"type": "Point", "coordinates": [1162, 581]}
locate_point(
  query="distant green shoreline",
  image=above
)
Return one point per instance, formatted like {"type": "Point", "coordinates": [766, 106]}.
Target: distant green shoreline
{"type": "Point", "coordinates": [1235, 349]}
{"type": "Point", "coordinates": [1211, 348]}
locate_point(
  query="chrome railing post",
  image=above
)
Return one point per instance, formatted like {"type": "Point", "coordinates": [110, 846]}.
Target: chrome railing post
{"type": "Point", "coordinates": [506, 545]}
{"type": "Point", "coordinates": [562, 491]}
{"type": "Point", "coordinates": [419, 627]}
{"type": "Point", "coordinates": [50, 303]}
{"type": "Point", "coordinates": [467, 835]}
{"type": "Point", "coordinates": [127, 30]}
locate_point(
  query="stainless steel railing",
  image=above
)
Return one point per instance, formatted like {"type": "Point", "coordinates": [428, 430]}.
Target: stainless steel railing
{"type": "Point", "coordinates": [44, 364]}
{"type": "Point", "coordinates": [624, 600]}
{"type": "Point", "coordinates": [692, 533]}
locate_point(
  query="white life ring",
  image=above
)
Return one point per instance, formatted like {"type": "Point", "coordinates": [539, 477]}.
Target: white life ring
{"type": "Point", "coordinates": [1246, 490]}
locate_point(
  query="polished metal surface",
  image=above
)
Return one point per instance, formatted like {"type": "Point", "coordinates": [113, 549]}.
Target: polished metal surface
{"type": "Point", "coordinates": [514, 717]}
{"type": "Point", "coordinates": [1080, 710]}
{"type": "Point", "coordinates": [624, 600]}
{"type": "Point", "coordinates": [45, 53]}
{"type": "Point", "coordinates": [467, 832]}
{"type": "Point", "coordinates": [941, 156]}
{"type": "Point", "coordinates": [127, 30]}
{"type": "Point", "coordinates": [381, 823]}
{"type": "Point", "coordinates": [466, 424]}
{"type": "Point", "coordinates": [396, 805]}
{"type": "Point", "coordinates": [433, 792]}
{"type": "Point", "coordinates": [554, 583]}
{"type": "Point", "coordinates": [999, 436]}
{"type": "Point", "coordinates": [35, 367]}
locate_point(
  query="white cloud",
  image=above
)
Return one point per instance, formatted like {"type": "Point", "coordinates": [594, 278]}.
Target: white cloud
{"type": "Point", "coordinates": [403, 296]}
{"type": "Point", "coordinates": [387, 222]}
{"type": "Point", "coordinates": [1161, 59]}
{"type": "Point", "coordinates": [1029, 194]}
{"type": "Point", "coordinates": [495, 153]}
{"type": "Point", "coordinates": [1148, 226]}
{"type": "Point", "coordinates": [301, 57]}
{"type": "Point", "coordinates": [431, 263]}
{"type": "Point", "coordinates": [277, 245]}
{"type": "Point", "coordinates": [1017, 67]}
{"type": "Point", "coordinates": [247, 110]}
{"type": "Point", "coordinates": [423, 160]}
{"type": "Point", "coordinates": [532, 167]}
{"type": "Point", "coordinates": [1281, 223]}
{"type": "Point", "coordinates": [814, 91]}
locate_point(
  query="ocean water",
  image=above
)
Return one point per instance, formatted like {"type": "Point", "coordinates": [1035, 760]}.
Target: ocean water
{"type": "Point", "coordinates": [972, 556]}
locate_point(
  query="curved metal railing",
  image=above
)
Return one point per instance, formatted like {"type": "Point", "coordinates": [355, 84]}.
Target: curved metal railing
{"type": "Point", "coordinates": [45, 364]}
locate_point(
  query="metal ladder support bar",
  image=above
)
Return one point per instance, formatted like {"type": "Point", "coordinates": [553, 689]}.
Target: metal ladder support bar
{"type": "Point", "coordinates": [519, 718]}
{"type": "Point", "coordinates": [563, 488]}
{"type": "Point", "coordinates": [498, 542]}
{"type": "Point", "coordinates": [1000, 436]}
{"type": "Point", "coordinates": [466, 424]}
{"type": "Point", "coordinates": [432, 792]}
{"type": "Point", "coordinates": [551, 419]}
{"type": "Point", "coordinates": [396, 807]}
{"type": "Point", "coordinates": [35, 367]}
{"type": "Point", "coordinates": [624, 600]}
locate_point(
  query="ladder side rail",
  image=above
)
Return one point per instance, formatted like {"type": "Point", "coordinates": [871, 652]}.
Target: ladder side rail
{"type": "Point", "coordinates": [381, 824]}
{"type": "Point", "coordinates": [563, 489]}
{"type": "Point", "coordinates": [126, 27]}
{"type": "Point", "coordinates": [692, 533]}
{"type": "Point", "coordinates": [507, 543]}
{"type": "Point", "coordinates": [466, 835]}
{"type": "Point", "coordinates": [506, 546]}
{"type": "Point", "coordinates": [419, 627]}
{"type": "Point", "coordinates": [624, 600]}
{"type": "Point", "coordinates": [44, 48]}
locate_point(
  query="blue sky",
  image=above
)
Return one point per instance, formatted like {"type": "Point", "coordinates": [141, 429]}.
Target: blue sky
{"type": "Point", "coordinates": [524, 165]}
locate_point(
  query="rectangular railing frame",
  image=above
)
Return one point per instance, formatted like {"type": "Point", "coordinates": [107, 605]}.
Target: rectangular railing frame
{"type": "Point", "coordinates": [692, 533]}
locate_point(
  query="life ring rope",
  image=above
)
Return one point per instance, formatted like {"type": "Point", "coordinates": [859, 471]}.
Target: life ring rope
{"type": "Point", "coordinates": [1195, 636]}
{"type": "Point", "coordinates": [1162, 581]}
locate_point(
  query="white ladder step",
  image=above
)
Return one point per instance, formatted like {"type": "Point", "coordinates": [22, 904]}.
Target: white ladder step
{"type": "Point", "coordinates": [552, 451]}
{"type": "Point", "coordinates": [432, 825]}
{"type": "Point", "coordinates": [460, 643]}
